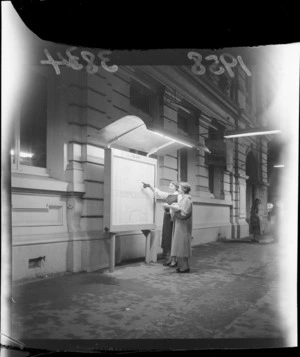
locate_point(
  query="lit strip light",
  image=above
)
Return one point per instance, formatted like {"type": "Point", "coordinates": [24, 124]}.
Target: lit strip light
{"type": "Point", "coordinates": [249, 132]}
{"type": "Point", "coordinates": [160, 147]}
{"type": "Point", "coordinates": [278, 166]}
{"type": "Point", "coordinates": [22, 154]}
{"type": "Point", "coordinates": [167, 137]}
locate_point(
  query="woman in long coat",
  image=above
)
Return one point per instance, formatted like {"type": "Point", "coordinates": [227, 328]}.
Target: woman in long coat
{"type": "Point", "coordinates": [182, 231]}
{"type": "Point", "coordinates": [254, 224]}
{"type": "Point", "coordinates": [167, 227]}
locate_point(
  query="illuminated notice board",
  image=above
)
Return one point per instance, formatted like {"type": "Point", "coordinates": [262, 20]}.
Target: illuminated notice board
{"type": "Point", "coordinates": [127, 205]}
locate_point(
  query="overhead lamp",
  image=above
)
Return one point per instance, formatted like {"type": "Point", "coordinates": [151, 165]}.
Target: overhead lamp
{"type": "Point", "coordinates": [22, 154]}
{"type": "Point", "coordinates": [169, 138]}
{"type": "Point", "coordinates": [277, 166]}
{"type": "Point", "coordinates": [181, 142]}
{"type": "Point", "coordinates": [249, 132]}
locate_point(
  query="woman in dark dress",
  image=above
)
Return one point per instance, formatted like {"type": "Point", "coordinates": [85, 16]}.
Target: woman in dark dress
{"type": "Point", "coordinates": [183, 227]}
{"type": "Point", "coordinates": [254, 224]}
{"type": "Point", "coordinates": [167, 228]}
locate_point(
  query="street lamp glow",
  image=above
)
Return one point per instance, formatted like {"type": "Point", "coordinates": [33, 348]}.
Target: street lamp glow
{"type": "Point", "coordinates": [22, 154]}
{"type": "Point", "coordinates": [251, 133]}
{"type": "Point", "coordinates": [167, 137]}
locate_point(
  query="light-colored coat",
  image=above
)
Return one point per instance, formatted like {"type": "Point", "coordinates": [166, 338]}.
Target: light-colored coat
{"type": "Point", "coordinates": [182, 231]}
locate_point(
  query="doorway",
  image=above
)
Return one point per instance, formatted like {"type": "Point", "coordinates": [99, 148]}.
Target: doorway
{"type": "Point", "coordinates": [252, 188]}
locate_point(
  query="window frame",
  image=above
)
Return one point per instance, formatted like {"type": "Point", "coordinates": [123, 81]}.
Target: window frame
{"type": "Point", "coordinates": [180, 153]}
{"type": "Point", "coordinates": [16, 166]}
{"type": "Point", "coordinates": [155, 92]}
{"type": "Point", "coordinates": [216, 172]}
{"type": "Point", "coordinates": [192, 123]}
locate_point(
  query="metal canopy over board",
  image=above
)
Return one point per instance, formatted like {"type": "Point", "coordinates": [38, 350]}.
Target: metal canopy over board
{"type": "Point", "coordinates": [131, 132]}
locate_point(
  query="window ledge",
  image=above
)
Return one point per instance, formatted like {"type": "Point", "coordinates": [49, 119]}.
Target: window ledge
{"type": "Point", "coordinates": [35, 182]}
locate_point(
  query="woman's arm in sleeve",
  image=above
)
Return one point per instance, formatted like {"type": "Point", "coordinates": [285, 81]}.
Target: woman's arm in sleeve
{"type": "Point", "coordinates": [156, 191]}
{"type": "Point", "coordinates": [160, 194]}
{"type": "Point", "coordinates": [185, 206]}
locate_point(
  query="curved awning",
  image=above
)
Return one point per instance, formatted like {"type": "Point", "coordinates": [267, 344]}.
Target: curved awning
{"type": "Point", "coordinates": [131, 132]}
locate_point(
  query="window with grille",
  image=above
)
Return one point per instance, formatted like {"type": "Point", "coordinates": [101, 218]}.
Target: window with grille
{"type": "Point", "coordinates": [141, 98]}
{"type": "Point", "coordinates": [30, 127]}
{"type": "Point", "coordinates": [215, 160]}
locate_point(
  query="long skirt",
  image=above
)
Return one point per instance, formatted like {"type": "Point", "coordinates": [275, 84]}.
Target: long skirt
{"type": "Point", "coordinates": [254, 225]}
{"type": "Point", "coordinates": [167, 230]}
{"type": "Point", "coordinates": [182, 235]}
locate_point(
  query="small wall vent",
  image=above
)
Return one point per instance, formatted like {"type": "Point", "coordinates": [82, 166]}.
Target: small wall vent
{"type": "Point", "coordinates": [36, 262]}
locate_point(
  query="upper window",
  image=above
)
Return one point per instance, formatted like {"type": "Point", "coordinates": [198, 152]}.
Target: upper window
{"type": "Point", "coordinates": [216, 160]}
{"type": "Point", "coordinates": [183, 165]}
{"type": "Point", "coordinates": [142, 98]}
{"type": "Point", "coordinates": [30, 134]}
{"type": "Point", "coordinates": [225, 83]}
{"type": "Point", "coordinates": [248, 85]}
{"type": "Point", "coordinates": [186, 122]}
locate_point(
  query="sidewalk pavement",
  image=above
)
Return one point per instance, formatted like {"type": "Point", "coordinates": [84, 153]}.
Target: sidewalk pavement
{"type": "Point", "coordinates": [230, 295]}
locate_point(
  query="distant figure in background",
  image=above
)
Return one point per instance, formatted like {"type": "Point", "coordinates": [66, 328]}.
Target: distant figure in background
{"type": "Point", "coordinates": [275, 219]}
{"type": "Point", "coordinates": [167, 228]}
{"type": "Point", "coordinates": [254, 224]}
{"type": "Point", "coordinates": [182, 232]}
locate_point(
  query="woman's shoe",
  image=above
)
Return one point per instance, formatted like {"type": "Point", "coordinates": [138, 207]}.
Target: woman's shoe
{"type": "Point", "coordinates": [166, 264]}
{"type": "Point", "coordinates": [173, 265]}
{"type": "Point", "coordinates": [183, 271]}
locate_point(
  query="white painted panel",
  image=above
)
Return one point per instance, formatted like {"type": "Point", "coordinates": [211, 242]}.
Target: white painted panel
{"type": "Point", "coordinates": [38, 211]}
{"type": "Point", "coordinates": [127, 205]}
{"type": "Point", "coordinates": [26, 217]}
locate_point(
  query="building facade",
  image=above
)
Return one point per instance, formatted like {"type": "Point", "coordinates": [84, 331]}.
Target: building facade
{"type": "Point", "coordinates": [57, 162]}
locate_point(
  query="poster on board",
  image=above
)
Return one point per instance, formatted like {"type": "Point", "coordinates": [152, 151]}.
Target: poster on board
{"type": "Point", "coordinates": [127, 205]}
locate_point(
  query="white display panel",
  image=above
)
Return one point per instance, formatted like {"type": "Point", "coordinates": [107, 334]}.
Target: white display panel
{"type": "Point", "coordinates": [127, 205]}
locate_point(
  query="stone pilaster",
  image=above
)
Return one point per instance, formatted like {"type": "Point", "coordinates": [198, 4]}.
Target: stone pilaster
{"type": "Point", "coordinates": [201, 184]}
{"type": "Point", "coordinates": [241, 227]}
{"type": "Point", "coordinates": [74, 249]}
{"type": "Point", "coordinates": [76, 188]}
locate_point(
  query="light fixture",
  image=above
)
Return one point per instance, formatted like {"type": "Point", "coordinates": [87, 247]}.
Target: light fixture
{"type": "Point", "coordinates": [277, 166]}
{"type": "Point", "coordinates": [167, 137]}
{"type": "Point", "coordinates": [160, 147]}
{"type": "Point", "coordinates": [249, 132]}
{"type": "Point", "coordinates": [182, 143]}
{"type": "Point", "coordinates": [22, 154]}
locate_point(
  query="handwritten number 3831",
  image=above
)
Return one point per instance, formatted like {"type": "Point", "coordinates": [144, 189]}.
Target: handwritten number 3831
{"type": "Point", "coordinates": [72, 61]}
{"type": "Point", "coordinates": [215, 68]}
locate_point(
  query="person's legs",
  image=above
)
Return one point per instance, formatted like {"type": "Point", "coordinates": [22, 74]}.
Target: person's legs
{"type": "Point", "coordinates": [184, 265]}
{"type": "Point", "coordinates": [174, 261]}
{"type": "Point", "coordinates": [179, 262]}
{"type": "Point", "coordinates": [169, 258]}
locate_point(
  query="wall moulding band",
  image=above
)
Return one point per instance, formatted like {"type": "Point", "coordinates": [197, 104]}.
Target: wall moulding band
{"type": "Point", "coordinates": [25, 240]}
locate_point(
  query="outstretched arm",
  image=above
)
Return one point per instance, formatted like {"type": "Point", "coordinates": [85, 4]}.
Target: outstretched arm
{"type": "Point", "coordinates": [158, 193]}
{"type": "Point", "coordinates": [148, 185]}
